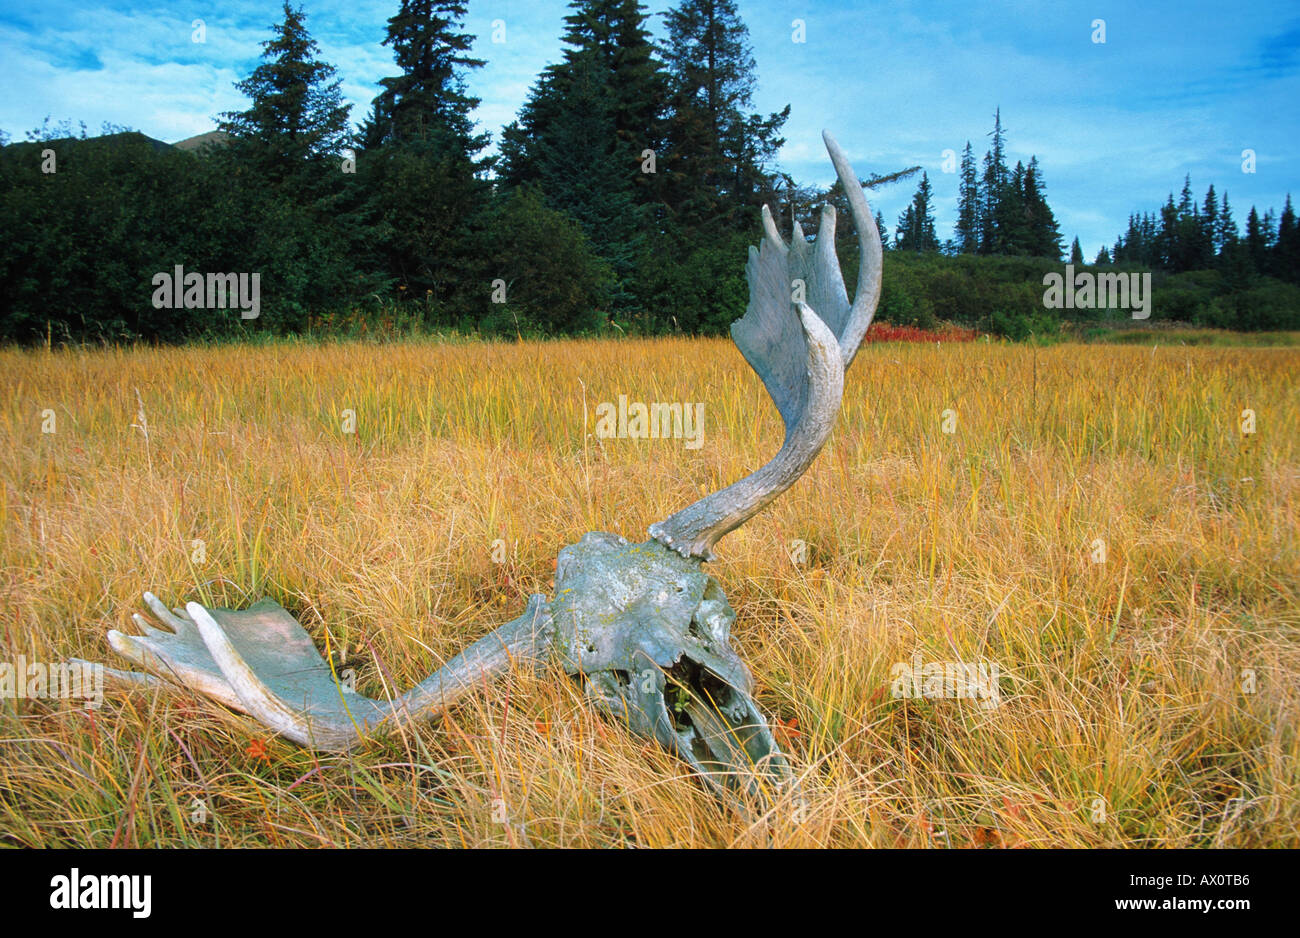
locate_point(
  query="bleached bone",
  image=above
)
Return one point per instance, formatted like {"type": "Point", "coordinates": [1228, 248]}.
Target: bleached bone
{"type": "Point", "coordinates": [641, 626]}
{"type": "Point", "coordinates": [262, 662]}
{"type": "Point", "coordinates": [801, 358]}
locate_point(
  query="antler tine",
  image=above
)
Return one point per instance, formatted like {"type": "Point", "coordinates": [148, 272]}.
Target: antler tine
{"type": "Point", "coordinates": [693, 531]}
{"type": "Point", "coordinates": [867, 295]}
{"type": "Point", "coordinates": [800, 352]}
{"type": "Point", "coordinates": [770, 229]}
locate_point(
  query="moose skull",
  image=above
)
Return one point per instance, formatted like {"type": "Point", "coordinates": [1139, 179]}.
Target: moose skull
{"type": "Point", "coordinates": [641, 626]}
{"type": "Point", "coordinates": [647, 632]}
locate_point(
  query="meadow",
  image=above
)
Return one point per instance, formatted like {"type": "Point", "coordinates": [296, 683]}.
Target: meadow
{"type": "Point", "coordinates": [1102, 523]}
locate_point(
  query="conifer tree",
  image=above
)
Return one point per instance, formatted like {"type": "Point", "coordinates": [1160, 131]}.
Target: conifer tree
{"type": "Point", "coordinates": [419, 167]}
{"type": "Point", "coordinates": [609, 54]}
{"type": "Point", "coordinates": [1165, 248]}
{"type": "Point", "coordinates": [1286, 252]}
{"type": "Point", "coordinates": [1211, 237]}
{"type": "Point", "coordinates": [718, 151]}
{"type": "Point", "coordinates": [428, 100]}
{"type": "Point", "coordinates": [994, 190]}
{"type": "Point", "coordinates": [582, 134]}
{"type": "Point", "coordinates": [1228, 233]}
{"type": "Point", "coordinates": [297, 109]}
{"type": "Point", "coordinates": [916, 225]}
{"type": "Point", "coordinates": [1014, 231]}
{"type": "Point", "coordinates": [903, 230]}
{"type": "Point", "coordinates": [1255, 241]}
{"type": "Point", "coordinates": [1043, 236]}
{"type": "Point", "coordinates": [968, 204]}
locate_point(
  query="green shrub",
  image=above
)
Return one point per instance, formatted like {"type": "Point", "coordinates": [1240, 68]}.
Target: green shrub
{"type": "Point", "coordinates": [555, 283]}
{"type": "Point", "coordinates": [692, 286]}
{"type": "Point", "coordinates": [1019, 326]}
{"type": "Point", "coordinates": [1271, 304]}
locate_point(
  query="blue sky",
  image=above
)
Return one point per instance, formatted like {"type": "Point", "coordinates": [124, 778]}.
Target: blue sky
{"type": "Point", "coordinates": [1176, 88]}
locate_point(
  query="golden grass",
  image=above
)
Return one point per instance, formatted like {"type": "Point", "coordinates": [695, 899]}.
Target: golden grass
{"type": "Point", "coordinates": [1123, 719]}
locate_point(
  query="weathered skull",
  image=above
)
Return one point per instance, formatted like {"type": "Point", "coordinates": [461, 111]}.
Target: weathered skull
{"type": "Point", "coordinates": [646, 631]}
{"type": "Point", "coordinates": [640, 625]}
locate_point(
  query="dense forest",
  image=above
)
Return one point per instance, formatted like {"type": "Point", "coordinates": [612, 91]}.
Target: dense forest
{"type": "Point", "coordinates": [622, 199]}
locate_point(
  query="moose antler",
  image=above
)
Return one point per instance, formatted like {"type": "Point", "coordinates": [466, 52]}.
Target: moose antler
{"type": "Point", "coordinates": [801, 357]}
{"type": "Point", "coordinates": [262, 662]}
{"type": "Point", "coordinates": [640, 626]}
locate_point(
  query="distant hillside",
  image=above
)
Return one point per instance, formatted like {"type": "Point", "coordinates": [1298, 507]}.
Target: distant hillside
{"type": "Point", "coordinates": [216, 138]}
{"type": "Point", "coordinates": [211, 138]}
{"type": "Point", "coordinates": [125, 137]}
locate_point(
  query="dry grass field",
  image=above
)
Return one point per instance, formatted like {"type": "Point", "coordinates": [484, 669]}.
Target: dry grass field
{"type": "Point", "coordinates": [1147, 700]}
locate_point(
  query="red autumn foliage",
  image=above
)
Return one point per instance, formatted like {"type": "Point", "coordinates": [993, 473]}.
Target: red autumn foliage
{"type": "Point", "coordinates": [258, 751]}
{"type": "Point", "coordinates": [787, 731]}
{"type": "Point", "coordinates": [888, 332]}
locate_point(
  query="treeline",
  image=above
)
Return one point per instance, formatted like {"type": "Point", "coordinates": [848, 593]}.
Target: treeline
{"type": "Point", "coordinates": [1204, 270]}
{"type": "Point", "coordinates": [1000, 211]}
{"type": "Point", "coordinates": [623, 199]}
{"type": "Point", "coordinates": [1004, 296]}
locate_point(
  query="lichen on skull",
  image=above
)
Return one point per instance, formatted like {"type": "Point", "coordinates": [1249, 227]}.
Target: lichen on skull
{"type": "Point", "coordinates": [647, 633]}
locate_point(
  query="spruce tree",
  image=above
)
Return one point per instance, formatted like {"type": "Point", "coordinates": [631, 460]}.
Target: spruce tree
{"type": "Point", "coordinates": [1211, 237]}
{"type": "Point", "coordinates": [1255, 241]}
{"type": "Point", "coordinates": [1228, 233]}
{"type": "Point", "coordinates": [1076, 252]}
{"type": "Point", "coordinates": [608, 51]}
{"type": "Point", "coordinates": [600, 197]}
{"type": "Point", "coordinates": [427, 101]}
{"type": "Point", "coordinates": [1186, 245]}
{"type": "Point", "coordinates": [1044, 236]}
{"type": "Point", "coordinates": [420, 171]}
{"type": "Point", "coordinates": [1165, 248]}
{"type": "Point", "coordinates": [614, 32]}
{"type": "Point", "coordinates": [903, 230]}
{"type": "Point", "coordinates": [994, 188]}
{"type": "Point", "coordinates": [916, 230]}
{"type": "Point", "coordinates": [1286, 252]}
{"type": "Point", "coordinates": [582, 133]}
{"type": "Point", "coordinates": [297, 109]}
{"type": "Point", "coordinates": [717, 150]}
{"type": "Point", "coordinates": [968, 204]}
{"type": "Point", "coordinates": [1014, 229]}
